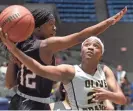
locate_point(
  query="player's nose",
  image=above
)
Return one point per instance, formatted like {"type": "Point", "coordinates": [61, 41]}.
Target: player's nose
{"type": "Point", "coordinates": [90, 47]}
{"type": "Point", "coordinates": [55, 28]}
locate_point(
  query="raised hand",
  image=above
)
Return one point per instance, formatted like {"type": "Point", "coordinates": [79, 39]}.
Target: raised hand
{"type": "Point", "coordinates": [119, 15]}
{"type": "Point", "coordinates": [4, 38]}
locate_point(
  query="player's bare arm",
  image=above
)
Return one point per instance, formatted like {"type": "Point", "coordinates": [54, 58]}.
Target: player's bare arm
{"type": "Point", "coordinates": [55, 44]}
{"type": "Point", "coordinates": [109, 105]}
{"type": "Point", "coordinates": [11, 72]}
{"type": "Point", "coordinates": [115, 94]}
{"type": "Point", "coordinates": [10, 75]}
{"type": "Point", "coordinates": [56, 73]}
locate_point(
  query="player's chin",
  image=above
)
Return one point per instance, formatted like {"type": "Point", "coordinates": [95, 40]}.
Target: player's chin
{"type": "Point", "coordinates": [52, 35]}
{"type": "Point", "coordinates": [89, 57]}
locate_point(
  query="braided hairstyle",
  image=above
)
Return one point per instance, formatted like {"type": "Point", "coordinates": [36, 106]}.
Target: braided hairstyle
{"type": "Point", "coordinates": [41, 16]}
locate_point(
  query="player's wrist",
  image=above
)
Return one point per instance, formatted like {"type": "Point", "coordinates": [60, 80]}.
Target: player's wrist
{"type": "Point", "coordinates": [109, 95]}
{"type": "Point", "coordinates": [13, 48]}
{"type": "Point", "coordinates": [111, 21]}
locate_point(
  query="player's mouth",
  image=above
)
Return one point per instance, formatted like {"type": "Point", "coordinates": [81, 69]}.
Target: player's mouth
{"type": "Point", "coordinates": [53, 34]}
{"type": "Point", "coordinates": [90, 53]}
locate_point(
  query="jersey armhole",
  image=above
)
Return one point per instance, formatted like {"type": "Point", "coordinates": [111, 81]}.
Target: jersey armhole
{"type": "Point", "coordinates": [77, 69]}
{"type": "Point", "coordinates": [102, 66]}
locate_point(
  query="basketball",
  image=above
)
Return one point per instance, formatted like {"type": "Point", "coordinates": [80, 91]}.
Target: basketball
{"type": "Point", "coordinates": [18, 22]}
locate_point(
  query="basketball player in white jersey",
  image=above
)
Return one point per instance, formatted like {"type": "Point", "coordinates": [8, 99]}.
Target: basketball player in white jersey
{"type": "Point", "coordinates": [88, 85]}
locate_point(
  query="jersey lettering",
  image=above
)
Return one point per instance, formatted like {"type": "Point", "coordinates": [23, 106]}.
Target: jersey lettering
{"type": "Point", "coordinates": [25, 79]}
{"type": "Point", "coordinates": [96, 107]}
{"type": "Point", "coordinates": [92, 84]}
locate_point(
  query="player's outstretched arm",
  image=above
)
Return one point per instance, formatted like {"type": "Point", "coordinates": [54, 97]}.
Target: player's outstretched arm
{"type": "Point", "coordinates": [56, 73]}
{"type": "Point", "coordinates": [60, 43]}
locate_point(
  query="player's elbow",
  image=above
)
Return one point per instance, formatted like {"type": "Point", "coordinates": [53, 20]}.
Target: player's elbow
{"type": "Point", "coordinates": [124, 101]}
{"type": "Point", "coordinates": [10, 83]}
{"type": "Point", "coordinates": [9, 86]}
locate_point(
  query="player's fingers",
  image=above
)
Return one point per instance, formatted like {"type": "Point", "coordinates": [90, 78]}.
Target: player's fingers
{"type": "Point", "coordinates": [0, 32]}
{"type": "Point", "coordinates": [97, 89]}
{"type": "Point", "coordinates": [100, 98]}
{"type": "Point", "coordinates": [4, 38]}
{"type": "Point", "coordinates": [6, 35]}
{"type": "Point", "coordinates": [120, 14]}
{"type": "Point", "coordinates": [1, 35]}
{"type": "Point", "coordinates": [96, 95]}
{"type": "Point", "coordinates": [94, 100]}
{"type": "Point", "coordinates": [124, 10]}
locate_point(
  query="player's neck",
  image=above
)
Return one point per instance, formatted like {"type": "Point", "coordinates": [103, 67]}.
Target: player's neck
{"type": "Point", "coordinates": [89, 68]}
{"type": "Point", "coordinates": [38, 36]}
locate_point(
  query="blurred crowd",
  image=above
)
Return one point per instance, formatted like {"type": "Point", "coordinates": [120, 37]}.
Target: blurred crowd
{"type": "Point", "coordinates": [122, 79]}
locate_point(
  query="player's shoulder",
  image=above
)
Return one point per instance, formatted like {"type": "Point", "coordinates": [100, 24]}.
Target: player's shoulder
{"type": "Point", "coordinates": [24, 44]}
{"type": "Point", "coordinates": [106, 69]}
{"type": "Point", "coordinates": [44, 46]}
{"type": "Point", "coordinates": [29, 45]}
{"type": "Point", "coordinates": [103, 66]}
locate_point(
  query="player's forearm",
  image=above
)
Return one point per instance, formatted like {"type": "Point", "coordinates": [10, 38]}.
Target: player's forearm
{"type": "Point", "coordinates": [117, 98]}
{"type": "Point", "coordinates": [94, 30]}
{"type": "Point", "coordinates": [109, 105]}
{"type": "Point", "coordinates": [76, 38]}
{"type": "Point", "coordinates": [10, 76]}
{"type": "Point", "coordinates": [32, 64]}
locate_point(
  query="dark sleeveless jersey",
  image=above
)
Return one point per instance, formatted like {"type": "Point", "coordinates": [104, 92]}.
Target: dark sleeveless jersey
{"type": "Point", "coordinates": [29, 83]}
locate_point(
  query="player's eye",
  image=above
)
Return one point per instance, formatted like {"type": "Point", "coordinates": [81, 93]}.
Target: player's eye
{"type": "Point", "coordinates": [87, 44]}
{"type": "Point", "coordinates": [96, 45]}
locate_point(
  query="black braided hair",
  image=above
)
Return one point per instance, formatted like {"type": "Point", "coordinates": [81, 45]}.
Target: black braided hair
{"type": "Point", "coordinates": [41, 16]}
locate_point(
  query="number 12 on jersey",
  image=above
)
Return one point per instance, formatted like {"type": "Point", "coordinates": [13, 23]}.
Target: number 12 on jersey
{"type": "Point", "coordinates": [26, 78]}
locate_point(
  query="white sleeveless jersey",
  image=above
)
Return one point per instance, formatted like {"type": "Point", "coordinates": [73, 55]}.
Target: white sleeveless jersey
{"type": "Point", "coordinates": [80, 89]}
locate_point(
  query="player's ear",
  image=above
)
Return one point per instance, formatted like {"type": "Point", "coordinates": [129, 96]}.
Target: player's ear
{"type": "Point", "coordinates": [100, 59]}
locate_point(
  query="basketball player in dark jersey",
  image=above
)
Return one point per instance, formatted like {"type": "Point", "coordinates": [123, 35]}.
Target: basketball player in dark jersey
{"type": "Point", "coordinates": [28, 83]}
{"type": "Point", "coordinates": [33, 91]}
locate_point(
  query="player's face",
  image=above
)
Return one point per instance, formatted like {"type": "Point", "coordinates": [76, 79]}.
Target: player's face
{"type": "Point", "coordinates": [49, 28]}
{"type": "Point", "coordinates": [91, 49]}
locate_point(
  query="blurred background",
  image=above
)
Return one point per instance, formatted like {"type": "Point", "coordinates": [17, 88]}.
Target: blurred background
{"type": "Point", "coordinates": [74, 15]}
